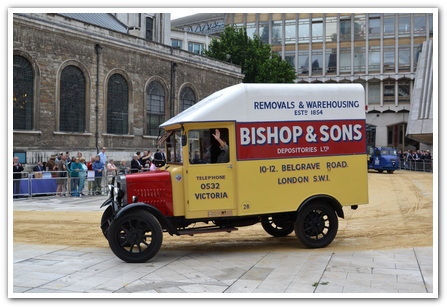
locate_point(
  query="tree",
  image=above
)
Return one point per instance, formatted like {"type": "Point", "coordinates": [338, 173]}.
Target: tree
{"type": "Point", "coordinates": [259, 64]}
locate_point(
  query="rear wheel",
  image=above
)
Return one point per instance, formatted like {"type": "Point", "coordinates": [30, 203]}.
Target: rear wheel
{"type": "Point", "coordinates": [277, 225]}
{"type": "Point", "coordinates": [135, 237]}
{"type": "Point", "coordinates": [316, 225]}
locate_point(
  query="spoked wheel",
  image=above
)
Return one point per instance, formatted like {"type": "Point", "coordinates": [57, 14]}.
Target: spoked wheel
{"type": "Point", "coordinates": [316, 225]}
{"type": "Point", "coordinates": [277, 225]}
{"type": "Point", "coordinates": [135, 237]}
{"type": "Point", "coordinates": [106, 219]}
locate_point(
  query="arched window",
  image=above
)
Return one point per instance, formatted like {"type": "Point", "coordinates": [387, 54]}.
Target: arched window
{"type": "Point", "coordinates": [72, 100]}
{"type": "Point", "coordinates": [187, 98]}
{"type": "Point", "coordinates": [23, 93]}
{"type": "Point", "coordinates": [155, 107]}
{"type": "Point", "coordinates": [117, 105]}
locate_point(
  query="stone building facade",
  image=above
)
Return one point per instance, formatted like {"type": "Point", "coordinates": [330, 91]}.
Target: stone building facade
{"type": "Point", "coordinates": [79, 87]}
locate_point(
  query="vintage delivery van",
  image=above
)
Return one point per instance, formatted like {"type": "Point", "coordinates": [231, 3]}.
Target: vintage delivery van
{"type": "Point", "coordinates": [290, 156]}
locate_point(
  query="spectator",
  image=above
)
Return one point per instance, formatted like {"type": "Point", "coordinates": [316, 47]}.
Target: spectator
{"type": "Point", "coordinates": [111, 170]}
{"type": "Point", "coordinates": [17, 176]}
{"type": "Point", "coordinates": [75, 169]}
{"type": "Point", "coordinates": [145, 159]}
{"type": "Point", "coordinates": [51, 163]}
{"type": "Point", "coordinates": [82, 175]}
{"type": "Point", "coordinates": [417, 155]}
{"type": "Point", "coordinates": [135, 165]}
{"type": "Point", "coordinates": [152, 167]}
{"type": "Point", "coordinates": [103, 157]}
{"type": "Point", "coordinates": [39, 167]}
{"type": "Point", "coordinates": [59, 156]}
{"type": "Point", "coordinates": [139, 157]}
{"type": "Point", "coordinates": [90, 181]}
{"type": "Point", "coordinates": [160, 155]}
{"type": "Point", "coordinates": [61, 180]}
{"type": "Point", "coordinates": [122, 167]}
{"type": "Point", "coordinates": [98, 167]}
{"type": "Point", "coordinates": [68, 158]}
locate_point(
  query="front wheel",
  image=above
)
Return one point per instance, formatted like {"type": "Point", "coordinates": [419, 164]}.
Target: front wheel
{"type": "Point", "coordinates": [316, 225]}
{"type": "Point", "coordinates": [135, 237]}
{"type": "Point", "coordinates": [106, 220]}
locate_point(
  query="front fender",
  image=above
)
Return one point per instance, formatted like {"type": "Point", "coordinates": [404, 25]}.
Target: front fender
{"type": "Point", "coordinates": [106, 203]}
{"type": "Point", "coordinates": [150, 209]}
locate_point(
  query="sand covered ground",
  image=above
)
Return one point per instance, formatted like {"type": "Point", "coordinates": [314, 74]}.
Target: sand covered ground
{"type": "Point", "coordinates": [399, 215]}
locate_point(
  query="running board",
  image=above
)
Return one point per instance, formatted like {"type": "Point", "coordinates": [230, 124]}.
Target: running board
{"type": "Point", "coordinates": [199, 230]}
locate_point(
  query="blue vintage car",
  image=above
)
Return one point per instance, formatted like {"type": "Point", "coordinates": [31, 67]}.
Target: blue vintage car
{"type": "Point", "coordinates": [383, 159]}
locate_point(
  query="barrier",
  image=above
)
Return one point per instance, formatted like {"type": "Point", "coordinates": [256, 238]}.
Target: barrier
{"type": "Point", "coordinates": [47, 184]}
{"type": "Point", "coordinates": [21, 186]}
{"type": "Point", "coordinates": [31, 184]}
{"type": "Point", "coordinates": [416, 165]}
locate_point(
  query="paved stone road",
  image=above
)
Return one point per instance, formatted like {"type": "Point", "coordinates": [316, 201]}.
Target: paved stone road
{"type": "Point", "coordinates": [76, 272]}
{"type": "Point", "coordinates": [59, 269]}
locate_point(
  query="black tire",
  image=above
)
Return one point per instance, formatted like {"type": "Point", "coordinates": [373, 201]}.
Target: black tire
{"type": "Point", "coordinates": [135, 237]}
{"type": "Point", "coordinates": [390, 171]}
{"type": "Point", "coordinates": [106, 219]}
{"type": "Point", "coordinates": [277, 225]}
{"type": "Point", "coordinates": [316, 225]}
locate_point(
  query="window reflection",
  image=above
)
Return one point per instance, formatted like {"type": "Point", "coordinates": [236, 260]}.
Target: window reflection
{"type": "Point", "coordinates": [374, 27]}
{"type": "Point", "coordinates": [303, 30]}
{"type": "Point", "coordinates": [345, 29]}
{"type": "Point", "coordinates": [317, 30]}
{"type": "Point", "coordinates": [331, 29]}
{"type": "Point", "coordinates": [290, 31]}
{"type": "Point", "coordinates": [277, 32]}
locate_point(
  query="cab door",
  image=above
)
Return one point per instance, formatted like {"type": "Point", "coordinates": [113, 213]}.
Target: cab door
{"type": "Point", "coordinates": [210, 179]}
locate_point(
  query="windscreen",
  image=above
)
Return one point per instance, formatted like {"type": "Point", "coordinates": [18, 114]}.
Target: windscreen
{"type": "Point", "coordinates": [174, 147]}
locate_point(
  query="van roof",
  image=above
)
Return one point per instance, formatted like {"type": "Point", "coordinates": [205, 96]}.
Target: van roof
{"type": "Point", "coordinates": [258, 102]}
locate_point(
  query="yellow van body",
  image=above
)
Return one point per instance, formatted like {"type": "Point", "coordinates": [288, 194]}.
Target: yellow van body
{"type": "Point", "coordinates": [287, 143]}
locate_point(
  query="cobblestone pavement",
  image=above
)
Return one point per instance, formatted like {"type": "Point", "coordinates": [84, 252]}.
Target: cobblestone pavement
{"type": "Point", "coordinates": [79, 272]}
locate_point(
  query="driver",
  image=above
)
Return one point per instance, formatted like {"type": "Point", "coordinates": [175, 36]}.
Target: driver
{"type": "Point", "coordinates": [223, 156]}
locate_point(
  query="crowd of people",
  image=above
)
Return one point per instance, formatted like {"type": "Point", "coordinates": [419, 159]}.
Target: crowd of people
{"type": "Point", "coordinates": [71, 173]}
{"type": "Point", "coordinates": [416, 160]}
{"type": "Point", "coordinates": [415, 155]}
